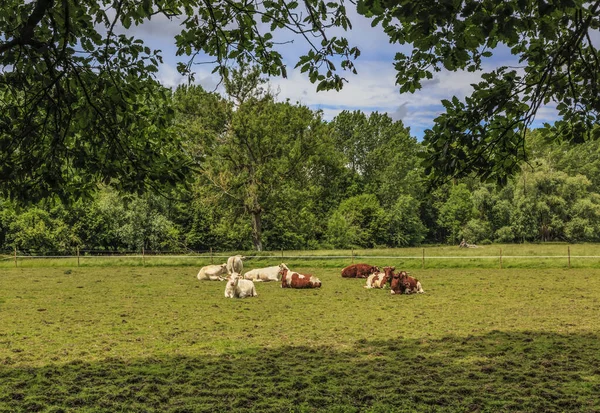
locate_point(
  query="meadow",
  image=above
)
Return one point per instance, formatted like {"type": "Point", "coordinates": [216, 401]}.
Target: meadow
{"type": "Point", "coordinates": [154, 339]}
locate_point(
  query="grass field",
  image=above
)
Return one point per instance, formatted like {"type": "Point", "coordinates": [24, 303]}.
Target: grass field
{"type": "Point", "coordinates": [548, 255]}
{"type": "Point", "coordinates": [154, 339]}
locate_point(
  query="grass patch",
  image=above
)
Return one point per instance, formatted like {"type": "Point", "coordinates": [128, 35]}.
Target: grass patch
{"type": "Point", "coordinates": [157, 340]}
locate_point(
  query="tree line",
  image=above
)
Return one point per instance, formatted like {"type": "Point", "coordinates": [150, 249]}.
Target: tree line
{"type": "Point", "coordinates": [265, 174]}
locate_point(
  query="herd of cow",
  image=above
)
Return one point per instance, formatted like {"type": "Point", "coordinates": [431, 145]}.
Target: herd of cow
{"type": "Point", "coordinates": [241, 286]}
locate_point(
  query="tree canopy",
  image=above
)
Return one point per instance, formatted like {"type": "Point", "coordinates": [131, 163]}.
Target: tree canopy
{"type": "Point", "coordinates": [558, 63]}
{"type": "Point", "coordinates": [80, 103]}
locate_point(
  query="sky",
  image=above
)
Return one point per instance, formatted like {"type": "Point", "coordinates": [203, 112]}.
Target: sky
{"type": "Point", "coordinates": [372, 89]}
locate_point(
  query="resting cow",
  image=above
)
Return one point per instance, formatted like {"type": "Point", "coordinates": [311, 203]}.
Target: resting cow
{"type": "Point", "coordinates": [359, 271]}
{"type": "Point", "coordinates": [266, 274]}
{"type": "Point", "coordinates": [212, 272]}
{"type": "Point", "coordinates": [377, 280]}
{"type": "Point", "coordinates": [235, 264]}
{"type": "Point", "coordinates": [402, 283]}
{"type": "Point", "coordinates": [237, 287]}
{"type": "Point", "coordinates": [291, 279]}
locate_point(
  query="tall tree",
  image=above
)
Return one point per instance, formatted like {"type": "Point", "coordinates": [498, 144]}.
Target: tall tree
{"type": "Point", "coordinates": [255, 150]}
{"type": "Point", "coordinates": [379, 151]}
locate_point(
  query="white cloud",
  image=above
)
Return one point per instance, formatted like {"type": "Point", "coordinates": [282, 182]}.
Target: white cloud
{"type": "Point", "coordinates": [372, 89]}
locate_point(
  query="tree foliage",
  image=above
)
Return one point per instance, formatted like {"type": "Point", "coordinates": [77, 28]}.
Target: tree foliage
{"type": "Point", "coordinates": [79, 101]}
{"type": "Point", "coordinates": [558, 63]}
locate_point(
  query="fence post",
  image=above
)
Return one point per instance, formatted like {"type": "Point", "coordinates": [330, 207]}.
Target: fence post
{"type": "Point", "coordinates": [143, 257]}
{"type": "Point", "coordinates": [423, 261]}
{"type": "Point", "coordinates": [211, 257]}
{"type": "Point", "coordinates": [500, 258]}
{"type": "Point", "coordinates": [16, 257]}
{"type": "Point", "coordinates": [78, 256]}
{"type": "Point", "coordinates": [282, 253]}
{"type": "Point", "coordinates": [569, 254]}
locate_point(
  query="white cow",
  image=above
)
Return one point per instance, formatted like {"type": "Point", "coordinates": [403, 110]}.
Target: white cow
{"type": "Point", "coordinates": [266, 274]}
{"type": "Point", "coordinates": [235, 264]}
{"type": "Point", "coordinates": [212, 272]}
{"type": "Point", "coordinates": [237, 287]}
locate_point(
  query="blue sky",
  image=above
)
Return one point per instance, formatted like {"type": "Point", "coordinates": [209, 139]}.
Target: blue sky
{"type": "Point", "coordinates": [372, 89]}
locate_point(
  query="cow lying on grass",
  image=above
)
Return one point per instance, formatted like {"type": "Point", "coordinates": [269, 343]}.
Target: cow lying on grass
{"type": "Point", "coordinates": [401, 283]}
{"type": "Point", "coordinates": [359, 271]}
{"type": "Point", "coordinates": [212, 273]}
{"type": "Point", "coordinates": [292, 279]}
{"type": "Point", "coordinates": [266, 274]}
{"type": "Point", "coordinates": [378, 280]}
{"type": "Point", "coordinates": [237, 287]}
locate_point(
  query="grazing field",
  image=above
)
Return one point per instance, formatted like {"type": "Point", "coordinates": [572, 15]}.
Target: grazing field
{"type": "Point", "coordinates": [547, 255]}
{"type": "Point", "coordinates": [154, 339]}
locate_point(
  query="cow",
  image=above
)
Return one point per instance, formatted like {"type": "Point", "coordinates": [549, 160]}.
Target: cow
{"type": "Point", "coordinates": [401, 283]}
{"type": "Point", "coordinates": [237, 287]}
{"type": "Point", "coordinates": [412, 285]}
{"type": "Point", "coordinates": [266, 274]}
{"type": "Point", "coordinates": [235, 264]}
{"type": "Point", "coordinates": [291, 279]}
{"type": "Point", "coordinates": [377, 280]}
{"type": "Point", "coordinates": [212, 272]}
{"type": "Point", "coordinates": [359, 271]}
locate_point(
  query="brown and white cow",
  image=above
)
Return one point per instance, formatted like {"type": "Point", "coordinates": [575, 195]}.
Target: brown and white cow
{"type": "Point", "coordinates": [402, 283]}
{"type": "Point", "coordinates": [377, 280]}
{"type": "Point", "coordinates": [291, 279]}
{"type": "Point", "coordinates": [359, 271]}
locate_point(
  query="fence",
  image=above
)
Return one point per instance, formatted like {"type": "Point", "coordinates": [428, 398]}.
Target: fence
{"type": "Point", "coordinates": [146, 257]}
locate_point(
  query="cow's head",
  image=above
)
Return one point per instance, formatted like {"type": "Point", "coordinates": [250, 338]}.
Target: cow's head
{"type": "Point", "coordinates": [316, 283]}
{"type": "Point", "coordinates": [389, 271]}
{"type": "Point", "coordinates": [375, 269]}
{"type": "Point", "coordinates": [234, 279]}
{"type": "Point", "coordinates": [282, 268]}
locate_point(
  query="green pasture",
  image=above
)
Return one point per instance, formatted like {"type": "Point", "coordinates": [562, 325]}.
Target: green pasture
{"type": "Point", "coordinates": [154, 339]}
{"type": "Point", "coordinates": [550, 255]}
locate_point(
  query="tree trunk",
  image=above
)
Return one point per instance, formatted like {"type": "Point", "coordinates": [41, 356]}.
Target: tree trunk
{"type": "Point", "coordinates": [257, 229]}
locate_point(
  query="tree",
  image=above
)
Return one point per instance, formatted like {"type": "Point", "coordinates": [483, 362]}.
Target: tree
{"type": "Point", "coordinates": [358, 221]}
{"type": "Point", "coordinates": [455, 212]}
{"type": "Point", "coordinates": [379, 152]}
{"type": "Point", "coordinates": [404, 223]}
{"type": "Point", "coordinates": [78, 107]}
{"type": "Point", "coordinates": [79, 101]}
{"type": "Point", "coordinates": [255, 150]}
{"type": "Point", "coordinates": [485, 134]}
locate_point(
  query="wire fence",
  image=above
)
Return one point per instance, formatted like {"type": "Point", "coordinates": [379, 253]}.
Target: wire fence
{"type": "Point", "coordinates": [144, 257]}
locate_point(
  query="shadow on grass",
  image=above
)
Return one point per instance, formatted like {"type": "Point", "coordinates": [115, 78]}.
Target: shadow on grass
{"type": "Point", "coordinates": [500, 371]}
